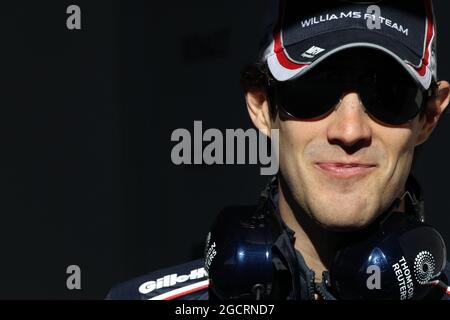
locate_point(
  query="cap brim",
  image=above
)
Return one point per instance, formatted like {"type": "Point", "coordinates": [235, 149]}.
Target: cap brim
{"type": "Point", "coordinates": [286, 63]}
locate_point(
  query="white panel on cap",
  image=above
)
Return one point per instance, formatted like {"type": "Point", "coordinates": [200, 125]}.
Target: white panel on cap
{"type": "Point", "coordinates": [279, 72]}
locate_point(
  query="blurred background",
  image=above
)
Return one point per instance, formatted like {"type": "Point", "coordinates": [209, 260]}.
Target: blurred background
{"type": "Point", "coordinates": [86, 118]}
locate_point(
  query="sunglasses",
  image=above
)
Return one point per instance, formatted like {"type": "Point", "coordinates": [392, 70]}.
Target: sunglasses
{"type": "Point", "coordinates": [387, 92]}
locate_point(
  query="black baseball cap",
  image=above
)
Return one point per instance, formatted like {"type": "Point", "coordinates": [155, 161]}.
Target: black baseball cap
{"type": "Point", "coordinates": [301, 34]}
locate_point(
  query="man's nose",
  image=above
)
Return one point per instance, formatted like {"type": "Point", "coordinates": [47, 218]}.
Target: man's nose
{"type": "Point", "coordinates": [350, 123]}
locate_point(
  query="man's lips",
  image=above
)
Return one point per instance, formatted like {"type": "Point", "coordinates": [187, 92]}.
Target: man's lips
{"type": "Point", "coordinates": [345, 170]}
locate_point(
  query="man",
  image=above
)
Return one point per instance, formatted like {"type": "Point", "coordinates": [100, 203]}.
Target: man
{"type": "Point", "coordinates": [352, 89]}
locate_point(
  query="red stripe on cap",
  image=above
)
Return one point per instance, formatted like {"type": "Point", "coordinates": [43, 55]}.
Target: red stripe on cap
{"type": "Point", "coordinates": [426, 59]}
{"type": "Point", "coordinates": [283, 59]}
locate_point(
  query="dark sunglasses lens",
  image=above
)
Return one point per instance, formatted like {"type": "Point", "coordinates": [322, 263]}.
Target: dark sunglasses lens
{"type": "Point", "coordinates": [307, 98]}
{"type": "Point", "coordinates": [393, 98]}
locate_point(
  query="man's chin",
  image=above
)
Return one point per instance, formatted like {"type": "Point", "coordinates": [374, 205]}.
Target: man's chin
{"type": "Point", "coordinates": [344, 224]}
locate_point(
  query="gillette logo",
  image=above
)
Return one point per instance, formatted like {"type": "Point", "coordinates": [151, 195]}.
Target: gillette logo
{"type": "Point", "coordinates": [171, 280]}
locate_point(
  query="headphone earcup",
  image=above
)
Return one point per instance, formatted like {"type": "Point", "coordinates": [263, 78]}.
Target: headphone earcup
{"type": "Point", "coordinates": [238, 255]}
{"type": "Point", "coordinates": [396, 261]}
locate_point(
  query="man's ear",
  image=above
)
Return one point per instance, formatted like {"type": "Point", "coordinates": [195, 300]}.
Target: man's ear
{"type": "Point", "coordinates": [259, 111]}
{"type": "Point", "coordinates": [436, 106]}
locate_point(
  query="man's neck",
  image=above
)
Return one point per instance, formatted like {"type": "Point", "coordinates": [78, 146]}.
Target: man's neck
{"type": "Point", "coordinates": [317, 245]}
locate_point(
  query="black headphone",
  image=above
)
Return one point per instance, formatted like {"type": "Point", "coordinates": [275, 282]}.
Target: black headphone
{"type": "Point", "coordinates": [396, 257]}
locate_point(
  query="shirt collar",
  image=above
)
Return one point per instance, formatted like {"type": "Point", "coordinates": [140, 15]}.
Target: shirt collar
{"type": "Point", "coordinates": [285, 245]}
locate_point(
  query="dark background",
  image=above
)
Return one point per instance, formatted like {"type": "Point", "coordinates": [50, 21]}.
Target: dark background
{"type": "Point", "coordinates": [85, 124]}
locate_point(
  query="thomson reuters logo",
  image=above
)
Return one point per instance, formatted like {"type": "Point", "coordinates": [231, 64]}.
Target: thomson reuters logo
{"type": "Point", "coordinates": [171, 280]}
{"type": "Point", "coordinates": [424, 267]}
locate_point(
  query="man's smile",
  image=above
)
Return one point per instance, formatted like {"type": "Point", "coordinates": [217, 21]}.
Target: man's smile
{"type": "Point", "coordinates": [345, 170]}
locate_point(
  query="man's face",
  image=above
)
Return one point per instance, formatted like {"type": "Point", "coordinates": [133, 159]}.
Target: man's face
{"type": "Point", "coordinates": [345, 168]}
